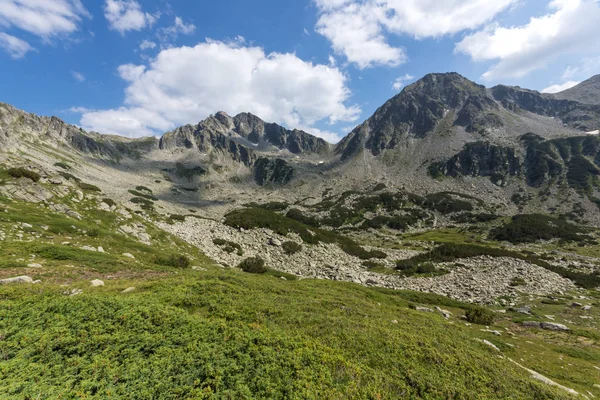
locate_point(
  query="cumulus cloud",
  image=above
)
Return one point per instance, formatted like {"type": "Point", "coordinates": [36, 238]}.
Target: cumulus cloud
{"type": "Point", "coordinates": [560, 87]}
{"type": "Point", "coordinates": [78, 76]}
{"type": "Point", "coordinates": [147, 45]}
{"type": "Point", "coordinates": [583, 69]}
{"type": "Point", "coordinates": [401, 81]}
{"type": "Point", "coordinates": [170, 33]}
{"type": "Point", "coordinates": [358, 28]}
{"type": "Point", "coordinates": [186, 84]}
{"type": "Point", "coordinates": [127, 15]}
{"type": "Point", "coordinates": [45, 19]}
{"type": "Point", "coordinates": [570, 27]}
{"type": "Point", "coordinates": [15, 47]}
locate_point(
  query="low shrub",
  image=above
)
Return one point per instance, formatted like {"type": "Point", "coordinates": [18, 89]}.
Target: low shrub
{"type": "Point", "coordinates": [88, 187]}
{"type": "Point", "coordinates": [69, 176]}
{"type": "Point", "coordinates": [291, 247]}
{"type": "Point", "coordinates": [141, 194]}
{"type": "Point", "coordinates": [62, 165]}
{"type": "Point", "coordinates": [229, 246]}
{"type": "Point", "coordinates": [480, 316]}
{"type": "Point", "coordinates": [253, 265]}
{"type": "Point", "coordinates": [143, 189]}
{"type": "Point", "coordinates": [24, 173]}
{"type": "Point", "coordinates": [250, 218]}
{"type": "Point", "coordinates": [175, 261]}
{"type": "Point", "coordinates": [109, 202]}
{"type": "Point", "coordinates": [177, 217]}
{"type": "Point", "coordinates": [526, 228]}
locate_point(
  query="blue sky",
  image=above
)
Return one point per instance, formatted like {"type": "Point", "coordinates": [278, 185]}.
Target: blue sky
{"type": "Point", "coordinates": [143, 67]}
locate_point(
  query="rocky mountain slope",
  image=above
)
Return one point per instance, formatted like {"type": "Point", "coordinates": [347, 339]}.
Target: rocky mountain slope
{"type": "Point", "coordinates": [587, 92]}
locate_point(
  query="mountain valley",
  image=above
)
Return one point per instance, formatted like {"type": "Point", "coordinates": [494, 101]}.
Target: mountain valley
{"type": "Point", "coordinates": [451, 238]}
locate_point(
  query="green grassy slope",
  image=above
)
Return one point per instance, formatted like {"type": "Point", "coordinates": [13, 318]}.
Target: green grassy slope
{"type": "Point", "coordinates": [222, 333]}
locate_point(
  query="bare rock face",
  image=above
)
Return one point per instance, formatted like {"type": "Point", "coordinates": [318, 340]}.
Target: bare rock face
{"type": "Point", "coordinates": [241, 137]}
{"type": "Point", "coordinates": [276, 171]}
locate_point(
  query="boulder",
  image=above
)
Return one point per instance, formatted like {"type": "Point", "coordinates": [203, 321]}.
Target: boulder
{"type": "Point", "coordinates": [128, 290]}
{"type": "Point", "coordinates": [532, 324]}
{"type": "Point", "coordinates": [424, 309]}
{"type": "Point", "coordinates": [16, 279]}
{"type": "Point", "coordinates": [274, 242]}
{"type": "Point", "coordinates": [97, 283]}
{"type": "Point", "coordinates": [129, 255]}
{"type": "Point", "coordinates": [554, 326]}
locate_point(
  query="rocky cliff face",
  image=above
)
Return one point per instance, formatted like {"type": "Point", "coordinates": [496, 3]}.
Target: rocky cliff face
{"type": "Point", "coordinates": [276, 171]}
{"type": "Point", "coordinates": [481, 159]}
{"type": "Point", "coordinates": [584, 117]}
{"type": "Point", "coordinates": [247, 133]}
{"type": "Point", "coordinates": [572, 162]}
{"type": "Point", "coordinates": [18, 127]}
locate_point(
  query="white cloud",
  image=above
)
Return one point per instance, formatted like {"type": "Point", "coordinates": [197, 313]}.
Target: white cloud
{"type": "Point", "coordinates": [43, 18]}
{"type": "Point", "coordinates": [14, 46]}
{"type": "Point", "coordinates": [186, 84]}
{"type": "Point", "coordinates": [561, 87]}
{"type": "Point", "coordinates": [127, 15]}
{"type": "Point", "coordinates": [169, 34]}
{"type": "Point", "coordinates": [78, 76]}
{"type": "Point", "coordinates": [357, 28]}
{"type": "Point", "coordinates": [401, 81]}
{"type": "Point", "coordinates": [147, 44]}
{"type": "Point", "coordinates": [570, 27]}
{"type": "Point", "coordinates": [355, 31]}
{"type": "Point", "coordinates": [583, 69]}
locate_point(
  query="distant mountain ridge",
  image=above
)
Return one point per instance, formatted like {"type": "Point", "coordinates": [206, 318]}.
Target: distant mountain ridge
{"type": "Point", "coordinates": [587, 92]}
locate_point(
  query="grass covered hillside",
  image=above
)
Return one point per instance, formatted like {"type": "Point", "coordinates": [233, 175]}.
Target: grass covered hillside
{"type": "Point", "coordinates": [227, 334]}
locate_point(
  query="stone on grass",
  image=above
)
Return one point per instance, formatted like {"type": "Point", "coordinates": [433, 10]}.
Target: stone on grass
{"type": "Point", "coordinates": [128, 290]}
{"type": "Point", "coordinates": [423, 309]}
{"type": "Point", "coordinates": [97, 283]}
{"type": "Point", "coordinates": [16, 279]}
{"type": "Point", "coordinates": [129, 255]}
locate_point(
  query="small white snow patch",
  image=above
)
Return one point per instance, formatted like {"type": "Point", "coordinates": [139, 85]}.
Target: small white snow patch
{"type": "Point", "coordinates": [596, 132]}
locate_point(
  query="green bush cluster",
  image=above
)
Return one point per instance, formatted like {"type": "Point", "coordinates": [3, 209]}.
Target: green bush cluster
{"type": "Point", "coordinates": [181, 171]}
{"type": "Point", "coordinates": [291, 247]}
{"type": "Point", "coordinates": [426, 268]}
{"type": "Point", "coordinates": [299, 216]}
{"type": "Point", "coordinates": [145, 204]}
{"type": "Point", "coordinates": [142, 194]}
{"type": "Point", "coordinates": [24, 173]}
{"type": "Point", "coordinates": [88, 187]}
{"type": "Point", "coordinates": [272, 206]}
{"type": "Point", "coordinates": [143, 189]}
{"type": "Point", "coordinates": [173, 260]}
{"type": "Point", "coordinates": [109, 202]}
{"type": "Point", "coordinates": [446, 204]}
{"type": "Point", "coordinates": [473, 218]}
{"type": "Point", "coordinates": [449, 252]}
{"type": "Point", "coordinates": [250, 218]}
{"type": "Point", "coordinates": [527, 228]}
{"type": "Point", "coordinates": [229, 246]}
{"type": "Point", "coordinates": [253, 265]}
{"type": "Point", "coordinates": [480, 316]}
{"type": "Point", "coordinates": [69, 176]}
{"type": "Point", "coordinates": [62, 165]}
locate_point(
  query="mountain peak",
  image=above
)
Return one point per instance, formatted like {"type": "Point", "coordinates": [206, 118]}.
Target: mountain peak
{"type": "Point", "coordinates": [587, 92]}
{"type": "Point", "coordinates": [418, 109]}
